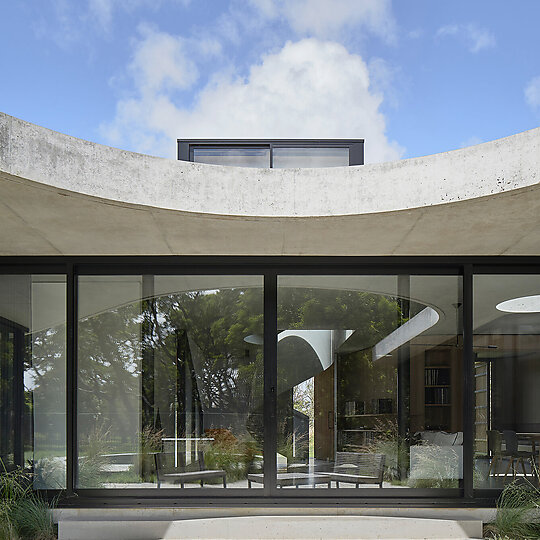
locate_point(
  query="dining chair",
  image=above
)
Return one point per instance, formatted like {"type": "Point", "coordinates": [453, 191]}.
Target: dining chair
{"type": "Point", "coordinates": [495, 445]}
{"type": "Point", "coordinates": [516, 456]}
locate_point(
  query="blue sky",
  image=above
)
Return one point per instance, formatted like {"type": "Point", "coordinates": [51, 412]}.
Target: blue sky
{"type": "Point", "coordinates": [412, 77]}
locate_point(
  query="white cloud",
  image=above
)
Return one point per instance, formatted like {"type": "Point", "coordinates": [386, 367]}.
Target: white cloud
{"type": "Point", "coordinates": [66, 28]}
{"type": "Point", "coordinates": [67, 22]}
{"type": "Point", "coordinates": [415, 34]}
{"type": "Point", "coordinates": [532, 93]}
{"type": "Point", "coordinates": [324, 19]}
{"type": "Point", "coordinates": [308, 89]}
{"type": "Point", "coordinates": [268, 8]}
{"type": "Point", "coordinates": [161, 63]}
{"type": "Point", "coordinates": [383, 75]}
{"type": "Point", "coordinates": [102, 11]}
{"type": "Point", "coordinates": [475, 37]}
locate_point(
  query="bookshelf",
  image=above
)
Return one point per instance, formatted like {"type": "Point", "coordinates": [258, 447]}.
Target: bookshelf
{"type": "Point", "coordinates": [362, 420]}
{"type": "Point", "coordinates": [437, 397]}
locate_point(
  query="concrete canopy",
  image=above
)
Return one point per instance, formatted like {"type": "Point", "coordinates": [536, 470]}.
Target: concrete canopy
{"type": "Point", "coordinates": [63, 196]}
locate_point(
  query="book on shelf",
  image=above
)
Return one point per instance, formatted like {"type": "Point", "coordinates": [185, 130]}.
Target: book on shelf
{"type": "Point", "coordinates": [437, 376]}
{"type": "Point", "coordinates": [438, 396]}
{"type": "Point", "coordinates": [382, 406]}
{"type": "Point", "coordinates": [353, 408]}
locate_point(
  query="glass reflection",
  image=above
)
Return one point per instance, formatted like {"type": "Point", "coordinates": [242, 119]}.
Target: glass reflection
{"type": "Point", "coordinates": [233, 156]}
{"type": "Point", "coordinates": [369, 382]}
{"type": "Point", "coordinates": [33, 376]}
{"type": "Point", "coordinates": [310, 157]}
{"type": "Point", "coordinates": [507, 378]}
{"type": "Point", "coordinates": [170, 389]}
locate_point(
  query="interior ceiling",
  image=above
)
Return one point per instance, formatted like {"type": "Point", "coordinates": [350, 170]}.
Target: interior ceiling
{"type": "Point", "coordinates": [513, 324]}
{"type": "Point", "coordinates": [99, 294]}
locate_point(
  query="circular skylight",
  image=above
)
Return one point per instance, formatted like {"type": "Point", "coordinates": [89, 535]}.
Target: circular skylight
{"type": "Point", "coordinates": [525, 304]}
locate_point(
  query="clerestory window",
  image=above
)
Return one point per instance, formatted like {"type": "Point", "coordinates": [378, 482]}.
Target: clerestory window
{"type": "Point", "coordinates": [277, 154]}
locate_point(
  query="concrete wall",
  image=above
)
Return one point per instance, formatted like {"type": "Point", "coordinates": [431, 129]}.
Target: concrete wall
{"type": "Point", "coordinates": [54, 159]}
{"type": "Point", "coordinates": [61, 195]}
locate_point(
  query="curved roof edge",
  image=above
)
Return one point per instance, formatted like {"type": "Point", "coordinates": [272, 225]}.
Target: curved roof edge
{"type": "Point", "coordinates": [34, 153]}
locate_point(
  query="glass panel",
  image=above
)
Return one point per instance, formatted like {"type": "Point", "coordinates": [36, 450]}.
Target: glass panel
{"type": "Point", "coordinates": [7, 389]}
{"type": "Point", "coordinates": [170, 381]}
{"type": "Point", "coordinates": [310, 157]}
{"type": "Point", "coordinates": [33, 376]}
{"type": "Point", "coordinates": [234, 156]}
{"type": "Point", "coordinates": [369, 382]}
{"type": "Point", "coordinates": [109, 379]}
{"type": "Point", "coordinates": [507, 376]}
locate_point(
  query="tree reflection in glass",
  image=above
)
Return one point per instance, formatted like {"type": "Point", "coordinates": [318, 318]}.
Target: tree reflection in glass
{"type": "Point", "coordinates": [168, 385]}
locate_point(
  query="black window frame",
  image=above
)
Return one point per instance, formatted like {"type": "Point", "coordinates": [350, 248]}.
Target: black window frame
{"type": "Point", "coordinates": [355, 146]}
{"type": "Point", "coordinates": [271, 267]}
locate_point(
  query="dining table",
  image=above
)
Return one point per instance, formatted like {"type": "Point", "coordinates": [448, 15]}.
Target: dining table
{"type": "Point", "coordinates": [534, 439]}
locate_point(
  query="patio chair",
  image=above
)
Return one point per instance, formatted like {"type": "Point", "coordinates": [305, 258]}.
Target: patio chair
{"type": "Point", "coordinates": [358, 468]}
{"type": "Point", "coordinates": [182, 474]}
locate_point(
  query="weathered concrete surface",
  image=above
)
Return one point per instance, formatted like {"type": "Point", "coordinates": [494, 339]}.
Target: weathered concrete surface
{"type": "Point", "coordinates": [273, 527]}
{"type": "Point", "coordinates": [64, 196]}
{"type": "Point", "coordinates": [142, 513]}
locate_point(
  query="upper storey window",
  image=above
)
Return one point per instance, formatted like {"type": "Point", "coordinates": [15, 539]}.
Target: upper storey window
{"type": "Point", "coordinates": [277, 154]}
{"type": "Point", "coordinates": [238, 156]}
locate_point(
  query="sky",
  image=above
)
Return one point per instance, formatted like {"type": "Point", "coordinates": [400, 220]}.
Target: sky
{"type": "Point", "coordinates": [411, 77]}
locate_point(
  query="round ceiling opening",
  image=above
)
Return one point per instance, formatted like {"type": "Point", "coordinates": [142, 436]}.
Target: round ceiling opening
{"type": "Point", "coordinates": [525, 304]}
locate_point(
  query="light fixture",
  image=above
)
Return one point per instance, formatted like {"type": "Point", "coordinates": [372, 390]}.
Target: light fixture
{"type": "Point", "coordinates": [525, 304]}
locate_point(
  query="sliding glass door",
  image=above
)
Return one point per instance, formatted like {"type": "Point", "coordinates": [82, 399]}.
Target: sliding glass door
{"type": "Point", "coordinates": [170, 381]}
{"type": "Point", "coordinates": [33, 377]}
{"type": "Point", "coordinates": [507, 379]}
{"type": "Point", "coordinates": [268, 379]}
{"type": "Point", "coordinates": [370, 382]}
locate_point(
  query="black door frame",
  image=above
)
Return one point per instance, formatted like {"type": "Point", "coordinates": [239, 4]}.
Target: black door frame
{"type": "Point", "coordinates": [270, 268]}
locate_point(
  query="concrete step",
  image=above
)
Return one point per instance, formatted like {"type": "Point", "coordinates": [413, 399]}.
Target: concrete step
{"type": "Point", "coordinates": [271, 527]}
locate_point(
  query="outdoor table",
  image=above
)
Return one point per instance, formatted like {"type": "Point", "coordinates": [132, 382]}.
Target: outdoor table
{"type": "Point", "coordinates": [293, 479]}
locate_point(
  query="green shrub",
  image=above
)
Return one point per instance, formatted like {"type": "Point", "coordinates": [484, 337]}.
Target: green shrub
{"type": "Point", "coordinates": [15, 484]}
{"type": "Point", "coordinates": [396, 450]}
{"type": "Point", "coordinates": [227, 457]}
{"type": "Point", "coordinates": [150, 441]}
{"type": "Point", "coordinates": [23, 514]}
{"type": "Point", "coordinates": [234, 456]}
{"type": "Point", "coordinates": [394, 447]}
{"type": "Point", "coordinates": [92, 457]}
{"type": "Point", "coordinates": [50, 473]}
{"type": "Point", "coordinates": [436, 472]}
{"type": "Point", "coordinates": [32, 519]}
{"type": "Point", "coordinates": [517, 513]}
{"type": "Point", "coordinates": [7, 531]}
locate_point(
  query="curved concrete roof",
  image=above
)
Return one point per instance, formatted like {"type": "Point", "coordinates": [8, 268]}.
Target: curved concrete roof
{"type": "Point", "coordinates": [62, 195]}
